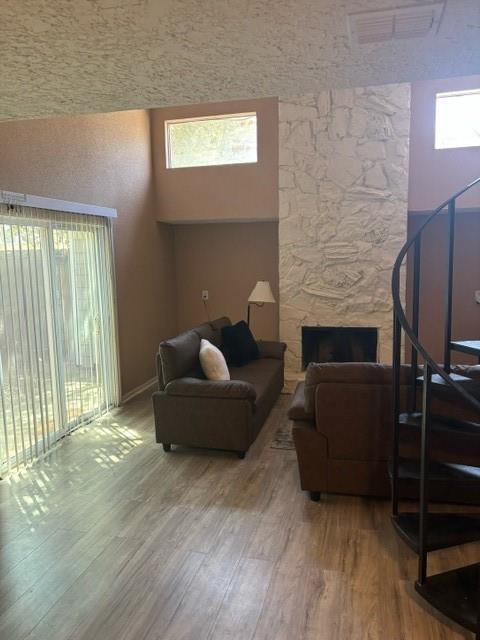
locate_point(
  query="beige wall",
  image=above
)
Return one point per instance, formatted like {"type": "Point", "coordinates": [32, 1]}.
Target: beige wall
{"type": "Point", "coordinates": [227, 259]}
{"type": "Point", "coordinates": [435, 174]}
{"type": "Point", "coordinates": [105, 160]}
{"type": "Point", "coordinates": [466, 312]}
{"type": "Point", "coordinates": [229, 192]}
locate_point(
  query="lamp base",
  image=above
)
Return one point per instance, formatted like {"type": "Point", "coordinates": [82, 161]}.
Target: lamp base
{"type": "Point", "coordinates": [257, 304]}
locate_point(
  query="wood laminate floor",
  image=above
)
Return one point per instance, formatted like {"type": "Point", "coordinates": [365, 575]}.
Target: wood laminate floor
{"type": "Point", "coordinates": [110, 538]}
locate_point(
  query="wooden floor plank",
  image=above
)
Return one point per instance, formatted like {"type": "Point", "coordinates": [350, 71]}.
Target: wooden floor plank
{"type": "Point", "coordinates": [76, 606]}
{"type": "Point", "coordinates": [26, 612]}
{"type": "Point", "coordinates": [143, 606]}
{"type": "Point", "coordinates": [109, 537]}
{"type": "Point", "coordinates": [198, 610]}
{"type": "Point", "coordinates": [23, 575]}
{"type": "Point", "coordinates": [243, 602]}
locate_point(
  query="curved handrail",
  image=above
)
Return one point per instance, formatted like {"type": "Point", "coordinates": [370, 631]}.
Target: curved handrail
{"type": "Point", "coordinates": [400, 312]}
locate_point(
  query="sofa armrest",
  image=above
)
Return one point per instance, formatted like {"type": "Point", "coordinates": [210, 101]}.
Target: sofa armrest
{"type": "Point", "coordinates": [271, 349]}
{"type": "Point", "coordinates": [225, 389]}
{"type": "Point", "coordinates": [296, 410]}
{"type": "Point", "coordinates": [158, 368]}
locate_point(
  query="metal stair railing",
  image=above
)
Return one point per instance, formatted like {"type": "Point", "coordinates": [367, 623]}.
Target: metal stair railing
{"type": "Point", "coordinates": [431, 367]}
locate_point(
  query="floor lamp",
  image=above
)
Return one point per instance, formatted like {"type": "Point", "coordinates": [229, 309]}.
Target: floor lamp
{"type": "Point", "coordinates": [260, 295]}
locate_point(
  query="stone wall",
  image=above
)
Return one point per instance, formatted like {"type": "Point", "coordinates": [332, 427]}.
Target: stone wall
{"type": "Point", "coordinates": [343, 210]}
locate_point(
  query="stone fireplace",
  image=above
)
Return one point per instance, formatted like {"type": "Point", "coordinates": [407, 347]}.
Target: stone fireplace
{"type": "Point", "coordinates": [339, 344]}
{"type": "Point", "coordinates": [343, 211]}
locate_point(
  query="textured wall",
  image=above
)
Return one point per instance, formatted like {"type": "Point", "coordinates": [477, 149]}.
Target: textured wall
{"type": "Point", "coordinates": [227, 259]}
{"type": "Point", "coordinates": [231, 192]}
{"type": "Point", "coordinates": [436, 174]}
{"type": "Point", "coordinates": [105, 159]}
{"type": "Point", "coordinates": [466, 278]}
{"type": "Point", "coordinates": [343, 209]}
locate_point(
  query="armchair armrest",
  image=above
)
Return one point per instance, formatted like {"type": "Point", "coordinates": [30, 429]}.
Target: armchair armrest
{"type": "Point", "coordinates": [296, 411]}
{"type": "Point", "coordinates": [271, 349]}
{"type": "Point", "coordinates": [223, 389]}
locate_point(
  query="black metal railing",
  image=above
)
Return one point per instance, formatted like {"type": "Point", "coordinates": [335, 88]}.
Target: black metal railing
{"type": "Point", "coordinates": [430, 367]}
{"type": "Point", "coordinates": [411, 330]}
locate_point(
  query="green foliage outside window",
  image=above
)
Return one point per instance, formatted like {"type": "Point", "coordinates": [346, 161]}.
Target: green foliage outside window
{"type": "Point", "coordinates": [213, 141]}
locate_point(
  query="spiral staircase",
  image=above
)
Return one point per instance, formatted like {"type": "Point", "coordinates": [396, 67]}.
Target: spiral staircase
{"type": "Point", "coordinates": [454, 593]}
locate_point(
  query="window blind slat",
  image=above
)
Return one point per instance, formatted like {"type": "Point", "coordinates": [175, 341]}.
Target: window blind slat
{"type": "Point", "coordinates": [58, 354]}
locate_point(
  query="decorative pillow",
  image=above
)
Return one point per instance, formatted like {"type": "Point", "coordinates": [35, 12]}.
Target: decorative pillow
{"type": "Point", "coordinates": [212, 361]}
{"type": "Point", "coordinates": [239, 343]}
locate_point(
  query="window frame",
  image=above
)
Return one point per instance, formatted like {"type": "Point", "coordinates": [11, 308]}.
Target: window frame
{"type": "Point", "coordinates": [447, 94]}
{"type": "Point", "coordinates": [220, 116]}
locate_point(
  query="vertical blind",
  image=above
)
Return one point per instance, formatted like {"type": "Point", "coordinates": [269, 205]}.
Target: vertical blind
{"type": "Point", "coordinates": [58, 346]}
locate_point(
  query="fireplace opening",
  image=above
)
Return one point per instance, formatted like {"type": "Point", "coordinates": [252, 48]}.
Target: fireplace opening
{"type": "Point", "coordinates": [339, 344]}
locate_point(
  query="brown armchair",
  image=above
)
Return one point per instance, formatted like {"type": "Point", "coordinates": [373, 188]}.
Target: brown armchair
{"type": "Point", "coordinates": [342, 430]}
{"type": "Point", "coordinates": [342, 418]}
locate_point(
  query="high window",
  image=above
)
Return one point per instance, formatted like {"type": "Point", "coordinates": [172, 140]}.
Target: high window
{"type": "Point", "coordinates": [207, 141]}
{"type": "Point", "coordinates": [457, 119]}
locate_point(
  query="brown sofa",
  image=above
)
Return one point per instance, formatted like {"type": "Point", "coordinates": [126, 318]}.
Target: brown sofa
{"type": "Point", "coordinates": [342, 429]}
{"type": "Point", "coordinates": [191, 410]}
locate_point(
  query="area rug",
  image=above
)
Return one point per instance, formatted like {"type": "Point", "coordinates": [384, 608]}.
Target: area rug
{"type": "Point", "coordinates": [283, 438]}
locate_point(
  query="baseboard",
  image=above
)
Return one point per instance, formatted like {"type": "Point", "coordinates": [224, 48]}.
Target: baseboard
{"type": "Point", "coordinates": [138, 390]}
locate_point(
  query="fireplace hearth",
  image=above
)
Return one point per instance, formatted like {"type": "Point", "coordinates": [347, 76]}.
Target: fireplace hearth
{"type": "Point", "coordinates": [339, 344]}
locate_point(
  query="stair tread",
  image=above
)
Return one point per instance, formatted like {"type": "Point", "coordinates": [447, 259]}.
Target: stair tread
{"type": "Point", "coordinates": [471, 385]}
{"type": "Point", "coordinates": [455, 594]}
{"type": "Point", "coordinates": [409, 469]}
{"type": "Point", "coordinates": [444, 530]}
{"type": "Point", "coordinates": [457, 377]}
{"type": "Point", "coordinates": [441, 423]}
{"type": "Point", "coordinates": [466, 346]}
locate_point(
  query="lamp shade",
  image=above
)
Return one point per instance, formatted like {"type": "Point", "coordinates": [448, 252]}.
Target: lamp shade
{"type": "Point", "coordinates": [261, 293]}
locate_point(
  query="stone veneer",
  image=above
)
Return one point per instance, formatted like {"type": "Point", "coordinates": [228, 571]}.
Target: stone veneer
{"type": "Point", "coordinates": [343, 210]}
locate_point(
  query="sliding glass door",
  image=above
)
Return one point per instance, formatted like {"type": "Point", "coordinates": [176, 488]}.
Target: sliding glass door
{"type": "Point", "coordinates": [58, 349]}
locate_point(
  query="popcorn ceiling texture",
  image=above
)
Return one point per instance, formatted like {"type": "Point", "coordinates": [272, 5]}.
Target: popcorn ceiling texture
{"type": "Point", "coordinates": [343, 210]}
{"type": "Point", "coordinates": [77, 56]}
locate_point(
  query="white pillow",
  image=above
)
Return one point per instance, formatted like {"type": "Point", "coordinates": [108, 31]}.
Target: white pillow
{"type": "Point", "coordinates": [213, 363]}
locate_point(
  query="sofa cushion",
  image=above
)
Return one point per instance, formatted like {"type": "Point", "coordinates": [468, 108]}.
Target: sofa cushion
{"type": "Point", "coordinates": [259, 373]}
{"type": "Point", "coordinates": [271, 349]}
{"type": "Point", "coordinates": [217, 326]}
{"type": "Point", "coordinates": [205, 331]}
{"type": "Point", "coordinates": [239, 344]}
{"type": "Point", "coordinates": [180, 355]}
{"type": "Point", "coordinates": [219, 389]}
{"type": "Point", "coordinates": [213, 362]}
{"type": "Point", "coordinates": [212, 330]}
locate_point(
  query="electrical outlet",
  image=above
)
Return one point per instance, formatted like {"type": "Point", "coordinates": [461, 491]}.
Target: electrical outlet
{"type": "Point", "coordinates": [205, 294]}
{"type": "Point", "coordinates": [477, 296]}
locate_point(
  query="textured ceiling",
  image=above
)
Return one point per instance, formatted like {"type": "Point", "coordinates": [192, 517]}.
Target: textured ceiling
{"type": "Point", "coordinates": [73, 56]}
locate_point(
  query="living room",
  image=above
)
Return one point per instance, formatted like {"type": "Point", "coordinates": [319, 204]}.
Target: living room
{"type": "Point", "coordinates": [123, 229]}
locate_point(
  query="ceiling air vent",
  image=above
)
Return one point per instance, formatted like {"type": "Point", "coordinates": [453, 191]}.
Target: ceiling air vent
{"type": "Point", "coordinates": [392, 24]}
